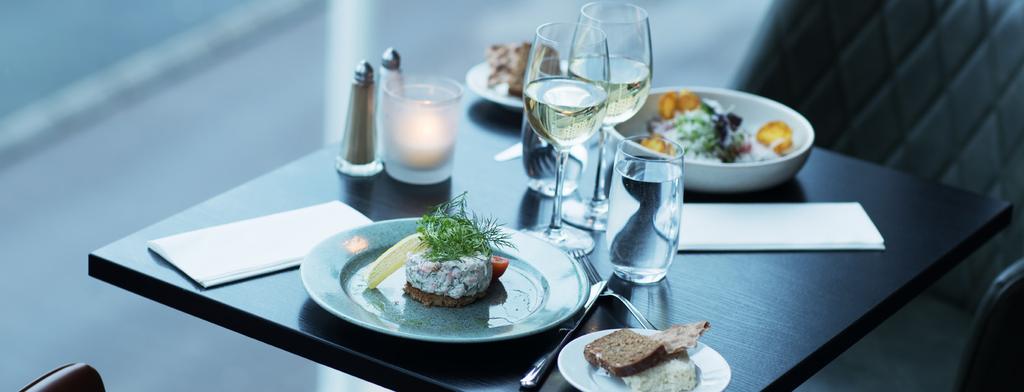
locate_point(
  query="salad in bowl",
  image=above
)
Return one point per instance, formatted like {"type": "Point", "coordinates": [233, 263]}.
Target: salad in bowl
{"type": "Point", "coordinates": [734, 141]}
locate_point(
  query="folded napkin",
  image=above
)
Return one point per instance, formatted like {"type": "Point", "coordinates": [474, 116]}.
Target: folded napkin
{"type": "Point", "coordinates": [238, 250]}
{"type": "Point", "coordinates": [777, 226]}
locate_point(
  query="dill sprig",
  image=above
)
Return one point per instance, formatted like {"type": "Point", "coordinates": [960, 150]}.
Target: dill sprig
{"type": "Point", "coordinates": [451, 233]}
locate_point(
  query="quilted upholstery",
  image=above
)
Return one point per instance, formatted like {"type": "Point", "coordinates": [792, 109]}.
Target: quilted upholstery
{"type": "Point", "coordinates": [931, 87]}
{"type": "Point", "coordinates": [992, 358]}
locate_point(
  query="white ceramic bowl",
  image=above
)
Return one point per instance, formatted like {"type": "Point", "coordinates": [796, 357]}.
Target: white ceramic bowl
{"type": "Point", "coordinates": [714, 177]}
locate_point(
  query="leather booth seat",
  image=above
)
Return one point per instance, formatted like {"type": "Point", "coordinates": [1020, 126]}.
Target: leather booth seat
{"type": "Point", "coordinates": [930, 87]}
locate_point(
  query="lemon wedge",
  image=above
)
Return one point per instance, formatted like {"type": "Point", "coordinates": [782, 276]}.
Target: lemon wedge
{"type": "Point", "coordinates": [392, 259]}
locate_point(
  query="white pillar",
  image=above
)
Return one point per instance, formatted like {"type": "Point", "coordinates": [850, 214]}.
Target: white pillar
{"type": "Point", "coordinates": [350, 38]}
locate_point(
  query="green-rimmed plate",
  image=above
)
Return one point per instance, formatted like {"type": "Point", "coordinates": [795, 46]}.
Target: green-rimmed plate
{"type": "Point", "coordinates": [541, 288]}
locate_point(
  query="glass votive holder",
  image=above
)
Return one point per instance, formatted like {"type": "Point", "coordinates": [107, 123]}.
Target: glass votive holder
{"type": "Point", "coordinates": [418, 120]}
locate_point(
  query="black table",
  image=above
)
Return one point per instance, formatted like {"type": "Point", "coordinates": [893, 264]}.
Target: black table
{"type": "Point", "coordinates": [777, 317]}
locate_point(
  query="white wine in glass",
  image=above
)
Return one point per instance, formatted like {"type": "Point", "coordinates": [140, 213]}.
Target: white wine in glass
{"type": "Point", "coordinates": [629, 54]}
{"type": "Point", "coordinates": [564, 109]}
{"type": "Point", "coordinates": [628, 87]}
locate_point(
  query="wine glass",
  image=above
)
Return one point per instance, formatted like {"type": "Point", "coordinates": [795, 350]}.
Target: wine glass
{"type": "Point", "coordinates": [629, 57]}
{"type": "Point", "coordinates": [565, 109]}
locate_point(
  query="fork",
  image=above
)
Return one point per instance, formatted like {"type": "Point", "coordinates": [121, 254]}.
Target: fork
{"type": "Point", "coordinates": [592, 274]}
{"type": "Point", "coordinates": [542, 366]}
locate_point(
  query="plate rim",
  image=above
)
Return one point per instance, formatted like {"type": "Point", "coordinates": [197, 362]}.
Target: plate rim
{"type": "Point", "coordinates": [486, 93]}
{"type": "Point", "coordinates": [642, 331]}
{"type": "Point", "coordinates": [304, 270]}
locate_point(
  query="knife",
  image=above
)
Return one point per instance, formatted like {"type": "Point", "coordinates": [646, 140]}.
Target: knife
{"type": "Point", "coordinates": [514, 151]}
{"type": "Point", "coordinates": [542, 367]}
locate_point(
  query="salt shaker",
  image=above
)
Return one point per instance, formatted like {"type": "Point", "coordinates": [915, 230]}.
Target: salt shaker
{"type": "Point", "coordinates": [390, 81]}
{"type": "Point", "coordinates": [390, 72]}
{"type": "Point", "coordinates": [358, 155]}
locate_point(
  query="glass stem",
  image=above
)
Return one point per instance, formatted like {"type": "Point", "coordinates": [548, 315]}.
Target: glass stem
{"type": "Point", "coordinates": [601, 183]}
{"type": "Point", "coordinates": [556, 216]}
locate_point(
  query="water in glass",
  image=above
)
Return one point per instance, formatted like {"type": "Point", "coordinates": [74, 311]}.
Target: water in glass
{"type": "Point", "coordinates": [645, 211]}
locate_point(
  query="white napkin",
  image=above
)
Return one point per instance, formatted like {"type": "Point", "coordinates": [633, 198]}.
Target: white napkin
{"type": "Point", "coordinates": [238, 250]}
{"type": "Point", "coordinates": [777, 226]}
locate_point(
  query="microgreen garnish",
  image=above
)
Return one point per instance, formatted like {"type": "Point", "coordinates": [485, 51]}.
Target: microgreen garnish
{"type": "Point", "coordinates": [451, 233]}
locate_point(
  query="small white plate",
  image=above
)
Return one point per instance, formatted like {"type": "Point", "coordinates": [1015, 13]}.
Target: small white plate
{"type": "Point", "coordinates": [476, 79]}
{"type": "Point", "coordinates": [712, 370]}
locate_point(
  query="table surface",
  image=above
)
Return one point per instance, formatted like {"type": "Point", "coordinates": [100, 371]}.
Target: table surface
{"type": "Point", "coordinates": [777, 317]}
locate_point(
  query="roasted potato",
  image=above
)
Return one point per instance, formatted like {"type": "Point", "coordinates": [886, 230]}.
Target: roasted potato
{"type": "Point", "coordinates": [667, 105]}
{"type": "Point", "coordinates": [657, 143]}
{"type": "Point", "coordinates": [687, 100]}
{"type": "Point", "coordinates": [776, 135]}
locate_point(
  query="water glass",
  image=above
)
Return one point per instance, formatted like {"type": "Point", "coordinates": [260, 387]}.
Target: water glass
{"type": "Point", "coordinates": [645, 209]}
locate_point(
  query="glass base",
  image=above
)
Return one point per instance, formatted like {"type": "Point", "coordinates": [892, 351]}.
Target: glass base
{"type": "Point", "coordinates": [567, 238]}
{"type": "Point", "coordinates": [590, 215]}
{"type": "Point", "coordinates": [547, 188]}
{"type": "Point", "coordinates": [419, 176]}
{"type": "Point", "coordinates": [357, 170]}
{"type": "Point", "coordinates": [640, 275]}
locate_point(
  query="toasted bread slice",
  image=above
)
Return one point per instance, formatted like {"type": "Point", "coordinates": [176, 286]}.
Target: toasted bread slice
{"type": "Point", "coordinates": [508, 65]}
{"type": "Point", "coordinates": [624, 353]}
{"type": "Point", "coordinates": [439, 300]}
{"type": "Point", "coordinates": [679, 337]}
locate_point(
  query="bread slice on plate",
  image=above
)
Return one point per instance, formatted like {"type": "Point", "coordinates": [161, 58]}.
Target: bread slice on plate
{"type": "Point", "coordinates": [624, 353]}
{"type": "Point", "coordinates": [508, 65]}
{"type": "Point", "coordinates": [680, 337]}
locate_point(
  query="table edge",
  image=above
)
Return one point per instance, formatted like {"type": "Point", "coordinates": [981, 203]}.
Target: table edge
{"type": "Point", "coordinates": [260, 329]}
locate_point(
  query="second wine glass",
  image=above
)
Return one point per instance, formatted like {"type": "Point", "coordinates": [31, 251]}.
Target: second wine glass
{"type": "Point", "coordinates": [629, 57]}
{"type": "Point", "coordinates": [565, 109]}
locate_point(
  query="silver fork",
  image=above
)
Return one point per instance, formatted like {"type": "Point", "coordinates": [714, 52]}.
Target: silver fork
{"type": "Point", "coordinates": [592, 274]}
{"type": "Point", "coordinates": [542, 366]}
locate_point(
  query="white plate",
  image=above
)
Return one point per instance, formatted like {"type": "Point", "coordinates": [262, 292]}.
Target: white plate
{"type": "Point", "coordinates": [476, 79]}
{"type": "Point", "coordinates": [716, 177]}
{"type": "Point", "coordinates": [713, 372]}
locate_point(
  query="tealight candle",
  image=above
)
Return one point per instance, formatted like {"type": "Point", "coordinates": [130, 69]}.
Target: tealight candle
{"type": "Point", "coordinates": [418, 120]}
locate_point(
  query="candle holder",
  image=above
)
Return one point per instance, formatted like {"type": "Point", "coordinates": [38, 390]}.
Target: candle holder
{"type": "Point", "coordinates": [418, 119]}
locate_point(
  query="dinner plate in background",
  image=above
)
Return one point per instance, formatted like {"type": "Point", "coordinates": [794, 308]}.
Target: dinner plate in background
{"type": "Point", "coordinates": [541, 288]}
{"type": "Point", "coordinates": [476, 79]}
{"type": "Point", "coordinates": [713, 371]}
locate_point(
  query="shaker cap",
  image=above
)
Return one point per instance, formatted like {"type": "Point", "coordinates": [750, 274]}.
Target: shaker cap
{"type": "Point", "coordinates": [390, 59]}
{"type": "Point", "coordinates": [364, 74]}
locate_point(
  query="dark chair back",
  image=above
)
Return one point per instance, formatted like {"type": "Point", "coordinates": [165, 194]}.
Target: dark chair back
{"type": "Point", "coordinates": [75, 377]}
{"type": "Point", "coordinates": [931, 87]}
{"type": "Point", "coordinates": [992, 360]}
